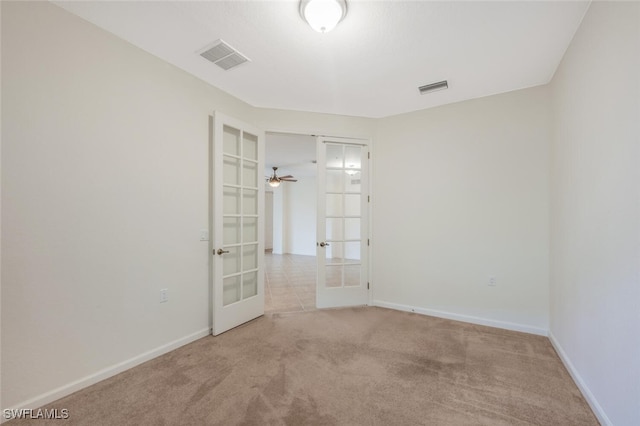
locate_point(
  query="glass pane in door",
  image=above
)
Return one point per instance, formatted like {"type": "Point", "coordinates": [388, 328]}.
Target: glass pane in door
{"type": "Point", "coordinates": [231, 290]}
{"type": "Point", "coordinates": [352, 252]}
{"type": "Point", "coordinates": [250, 146]}
{"type": "Point", "coordinates": [335, 253]}
{"type": "Point", "coordinates": [334, 181]}
{"type": "Point", "coordinates": [230, 200]}
{"type": "Point", "coordinates": [230, 170]}
{"type": "Point", "coordinates": [351, 275]}
{"type": "Point", "coordinates": [334, 205]}
{"type": "Point", "coordinates": [352, 228]}
{"type": "Point", "coordinates": [250, 230]}
{"type": "Point", "coordinates": [334, 229]}
{"type": "Point", "coordinates": [249, 284]}
{"type": "Point", "coordinates": [352, 157]}
{"type": "Point", "coordinates": [231, 261]}
{"type": "Point", "coordinates": [231, 230]}
{"type": "Point", "coordinates": [352, 204]}
{"type": "Point", "coordinates": [231, 140]}
{"type": "Point", "coordinates": [352, 184]}
{"type": "Point", "coordinates": [250, 174]}
{"type": "Point", "coordinates": [335, 156]}
{"type": "Point", "coordinates": [250, 201]}
{"type": "Point", "coordinates": [333, 276]}
{"type": "Point", "coordinates": [249, 257]}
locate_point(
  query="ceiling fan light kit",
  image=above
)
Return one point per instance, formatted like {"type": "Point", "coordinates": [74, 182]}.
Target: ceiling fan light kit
{"type": "Point", "coordinates": [323, 15]}
{"type": "Point", "coordinates": [274, 181]}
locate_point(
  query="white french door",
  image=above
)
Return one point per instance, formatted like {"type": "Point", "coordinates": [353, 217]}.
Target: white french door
{"type": "Point", "coordinates": [343, 222]}
{"type": "Point", "coordinates": [238, 223]}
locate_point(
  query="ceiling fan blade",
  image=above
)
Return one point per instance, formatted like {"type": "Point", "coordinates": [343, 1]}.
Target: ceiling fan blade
{"type": "Point", "coordinates": [285, 177]}
{"type": "Point", "coordinates": [289, 180]}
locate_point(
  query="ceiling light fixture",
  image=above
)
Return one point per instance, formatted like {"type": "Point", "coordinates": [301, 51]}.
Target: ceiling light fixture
{"type": "Point", "coordinates": [350, 171]}
{"type": "Point", "coordinates": [274, 183]}
{"type": "Point", "coordinates": [323, 15]}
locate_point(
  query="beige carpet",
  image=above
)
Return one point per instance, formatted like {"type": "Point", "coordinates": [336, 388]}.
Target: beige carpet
{"type": "Point", "coordinates": [358, 366]}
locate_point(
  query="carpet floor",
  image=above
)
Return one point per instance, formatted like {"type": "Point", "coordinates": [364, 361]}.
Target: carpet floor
{"type": "Point", "coordinates": [354, 366]}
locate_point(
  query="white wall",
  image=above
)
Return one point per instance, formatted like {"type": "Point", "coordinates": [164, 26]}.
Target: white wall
{"type": "Point", "coordinates": [278, 221]}
{"type": "Point", "coordinates": [460, 194]}
{"type": "Point", "coordinates": [300, 216]}
{"type": "Point", "coordinates": [294, 217]}
{"type": "Point", "coordinates": [595, 272]}
{"type": "Point", "coordinates": [268, 220]}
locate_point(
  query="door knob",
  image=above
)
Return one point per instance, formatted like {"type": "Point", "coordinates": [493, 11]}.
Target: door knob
{"type": "Point", "coordinates": [220, 252]}
{"type": "Point", "coordinates": [322, 244]}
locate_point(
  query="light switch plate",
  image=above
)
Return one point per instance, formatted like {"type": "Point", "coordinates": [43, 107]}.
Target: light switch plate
{"type": "Point", "coordinates": [204, 235]}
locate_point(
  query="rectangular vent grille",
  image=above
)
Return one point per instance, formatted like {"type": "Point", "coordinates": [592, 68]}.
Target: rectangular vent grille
{"type": "Point", "coordinates": [441, 85]}
{"type": "Point", "coordinates": [223, 55]}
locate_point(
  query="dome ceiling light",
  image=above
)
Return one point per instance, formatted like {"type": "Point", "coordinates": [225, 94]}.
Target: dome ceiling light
{"type": "Point", "coordinates": [323, 15]}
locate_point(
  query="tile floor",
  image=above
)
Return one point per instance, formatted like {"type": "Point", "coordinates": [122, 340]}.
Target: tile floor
{"type": "Point", "coordinates": [290, 283]}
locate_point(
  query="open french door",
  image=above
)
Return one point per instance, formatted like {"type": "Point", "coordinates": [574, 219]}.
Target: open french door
{"type": "Point", "coordinates": [237, 223]}
{"type": "Point", "coordinates": [343, 222]}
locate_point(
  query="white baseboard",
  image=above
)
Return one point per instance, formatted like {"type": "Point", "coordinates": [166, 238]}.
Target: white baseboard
{"type": "Point", "coordinates": [464, 318]}
{"type": "Point", "coordinates": [105, 373]}
{"type": "Point", "coordinates": [586, 392]}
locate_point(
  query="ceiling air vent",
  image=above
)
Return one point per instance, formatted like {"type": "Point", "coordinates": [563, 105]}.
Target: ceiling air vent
{"type": "Point", "coordinates": [441, 85]}
{"type": "Point", "coordinates": [223, 55]}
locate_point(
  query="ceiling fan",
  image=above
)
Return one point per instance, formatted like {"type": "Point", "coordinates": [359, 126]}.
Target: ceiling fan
{"type": "Point", "coordinates": [274, 181]}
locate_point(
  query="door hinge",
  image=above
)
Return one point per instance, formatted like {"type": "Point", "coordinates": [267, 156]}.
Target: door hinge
{"type": "Point", "coordinates": [368, 198]}
{"type": "Point", "coordinates": [367, 286]}
{"type": "Point", "coordinates": [367, 241]}
{"type": "Point", "coordinates": [369, 155]}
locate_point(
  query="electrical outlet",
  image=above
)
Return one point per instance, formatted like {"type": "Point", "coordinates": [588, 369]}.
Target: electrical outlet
{"type": "Point", "coordinates": [164, 295]}
{"type": "Point", "coordinates": [204, 235]}
{"type": "Point", "coordinates": [492, 280]}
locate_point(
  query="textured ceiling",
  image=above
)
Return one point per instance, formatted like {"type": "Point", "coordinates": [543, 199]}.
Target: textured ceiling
{"type": "Point", "coordinates": [371, 65]}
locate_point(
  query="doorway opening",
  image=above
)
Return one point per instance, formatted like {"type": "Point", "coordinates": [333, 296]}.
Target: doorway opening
{"type": "Point", "coordinates": [325, 209]}
{"type": "Point", "coordinates": [290, 223]}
